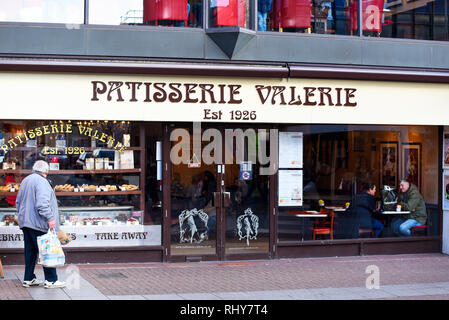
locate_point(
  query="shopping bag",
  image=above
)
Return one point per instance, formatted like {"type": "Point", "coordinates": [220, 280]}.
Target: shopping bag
{"type": "Point", "coordinates": [50, 250]}
{"type": "Point", "coordinates": [63, 237]}
{"type": "Point", "coordinates": [389, 198]}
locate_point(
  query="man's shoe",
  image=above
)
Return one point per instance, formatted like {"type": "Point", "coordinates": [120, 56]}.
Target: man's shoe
{"type": "Point", "coordinates": [53, 285]}
{"type": "Point", "coordinates": [32, 283]}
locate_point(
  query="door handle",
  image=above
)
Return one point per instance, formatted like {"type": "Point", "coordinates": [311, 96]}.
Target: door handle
{"type": "Point", "coordinates": [217, 199]}
{"type": "Point", "coordinates": [226, 199]}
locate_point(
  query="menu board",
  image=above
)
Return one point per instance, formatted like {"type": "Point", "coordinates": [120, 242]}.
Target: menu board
{"type": "Point", "coordinates": [290, 188]}
{"type": "Point", "coordinates": [290, 150]}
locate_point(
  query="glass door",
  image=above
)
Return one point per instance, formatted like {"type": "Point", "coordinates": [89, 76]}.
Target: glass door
{"type": "Point", "coordinates": [219, 200]}
{"type": "Point", "coordinates": [246, 207]}
{"type": "Point", "coordinates": [194, 182]}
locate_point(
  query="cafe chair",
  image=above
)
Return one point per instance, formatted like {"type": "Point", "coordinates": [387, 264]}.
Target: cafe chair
{"type": "Point", "coordinates": [229, 13]}
{"type": "Point", "coordinates": [165, 10]}
{"type": "Point", "coordinates": [421, 230]}
{"type": "Point", "coordinates": [291, 14]}
{"type": "Point", "coordinates": [324, 229]}
{"type": "Point", "coordinates": [365, 231]}
{"type": "Point", "coordinates": [2, 275]}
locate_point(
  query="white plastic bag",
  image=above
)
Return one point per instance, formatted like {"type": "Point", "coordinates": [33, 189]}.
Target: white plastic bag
{"type": "Point", "coordinates": [50, 250]}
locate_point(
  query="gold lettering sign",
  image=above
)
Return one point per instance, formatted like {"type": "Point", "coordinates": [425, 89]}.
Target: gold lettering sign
{"type": "Point", "coordinates": [62, 128]}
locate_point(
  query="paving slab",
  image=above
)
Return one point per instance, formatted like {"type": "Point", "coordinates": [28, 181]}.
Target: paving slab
{"type": "Point", "coordinates": [127, 297]}
{"type": "Point", "coordinates": [41, 293]}
{"type": "Point", "coordinates": [163, 297]}
{"type": "Point", "coordinates": [198, 296]}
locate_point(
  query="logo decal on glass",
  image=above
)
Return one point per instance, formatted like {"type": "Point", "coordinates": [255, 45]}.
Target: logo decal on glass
{"type": "Point", "coordinates": [188, 231]}
{"type": "Point", "coordinates": [248, 226]}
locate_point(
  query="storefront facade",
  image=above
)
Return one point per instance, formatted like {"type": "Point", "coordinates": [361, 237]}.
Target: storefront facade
{"type": "Point", "coordinates": [174, 168]}
{"type": "Point", "coordinates": [216, 135]}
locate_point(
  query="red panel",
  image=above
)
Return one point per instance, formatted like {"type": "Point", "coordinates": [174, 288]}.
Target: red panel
{"type": "Point", "coordinates": [154, 10]}
{"type": "Point", "coordinates": [291, 13]}
{"type": "Point", "coordinates": [226, 13]}
{"type": "Point", "coordinates": [372, 15]}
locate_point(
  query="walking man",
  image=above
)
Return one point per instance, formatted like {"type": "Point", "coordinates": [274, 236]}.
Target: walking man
{"type": "Point", "coordinates": [37, 210]}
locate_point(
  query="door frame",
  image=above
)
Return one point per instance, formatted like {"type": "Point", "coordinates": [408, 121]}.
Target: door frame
{"type": "Point", "coordinates": [221, 215]}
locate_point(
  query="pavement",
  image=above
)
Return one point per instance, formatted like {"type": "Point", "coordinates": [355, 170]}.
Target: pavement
{"type": "Point", "coordinates": [381, 277]}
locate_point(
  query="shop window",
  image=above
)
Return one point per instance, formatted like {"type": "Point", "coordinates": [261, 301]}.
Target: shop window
{"type": "Point", "coordinates": [104, 178]}
{"type": "Point", "coordinates": [115, 12]}
{"type": "Point", "coordinates": [340, 160]}
{"type": "Point", "coordinates": [424, 20]}
{"type": "Point", "coordinates": [43, 11]}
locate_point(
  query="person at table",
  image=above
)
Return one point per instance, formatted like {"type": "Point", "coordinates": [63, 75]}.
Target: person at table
{"type": "Point", "coordinates": [365, 206]}
{"type": "Point", "coordinates": [410, 200]}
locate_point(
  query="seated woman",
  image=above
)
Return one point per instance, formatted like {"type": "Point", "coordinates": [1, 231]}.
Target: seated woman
{"type": "Point", "coordinates": [365, 206]}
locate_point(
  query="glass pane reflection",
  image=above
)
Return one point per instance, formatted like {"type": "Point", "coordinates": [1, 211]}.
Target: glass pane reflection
{"type": "Point", "coordinates": [42, 11]}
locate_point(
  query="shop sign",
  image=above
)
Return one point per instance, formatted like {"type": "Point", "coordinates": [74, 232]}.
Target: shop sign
{"type": "Point", "coordinates": [220, 99]}
{"type": "Point", "coordinates": [246, 170]}
{"type": "Point", "coordinates": [93, 236]}
{"type": "Point", "coordinates": [194, 162]}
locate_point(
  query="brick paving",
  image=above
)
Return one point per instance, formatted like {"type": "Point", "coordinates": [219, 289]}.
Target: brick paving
{"type": "Point", "coordinates": [284, 274]}
{"type": "Point", "coordinates": [414, 276]}
{"type": "Point", "coordinates": [13, 290]}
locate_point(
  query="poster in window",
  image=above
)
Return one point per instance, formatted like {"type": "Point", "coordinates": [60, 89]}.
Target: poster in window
{"type": "Point", "coordinates": [290, 188]}
{"type": "Point", "coordinates": [446, 190]}
{"type": "Point", "coordinates": [446, 150]}
{"type": "Point", "coordinates": [411, 163]}
{"type": "Point", "coordinates": [388, 164]}
{"type": "Point", "coordinates": [290, 150]}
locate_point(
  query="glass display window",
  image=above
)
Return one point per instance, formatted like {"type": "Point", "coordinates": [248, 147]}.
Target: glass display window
{"type": "Point", "coordinates": [351, 178]}
{"type": "Point", "coordinates": [97, 169]}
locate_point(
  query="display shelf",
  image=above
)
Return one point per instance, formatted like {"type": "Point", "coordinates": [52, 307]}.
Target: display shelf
{"type": "Point", "coordinates": [73, 209]}
{"type": "Point", "coordinates": [85, 193]}
{"type": "Point", "coordinates": [75, 171]}
{"type": "Point", "coordinates": [69, 169]}
{"type": "Point", "coordinates": [103, 208]}
{"type": "Point", "coordinates": [96, 193]}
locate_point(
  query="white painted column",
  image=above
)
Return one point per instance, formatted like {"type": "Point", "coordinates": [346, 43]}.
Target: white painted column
{"type": "Point", "coordinates": [446, 232]}
{"type": "Point", "coordinates": [445, 235]}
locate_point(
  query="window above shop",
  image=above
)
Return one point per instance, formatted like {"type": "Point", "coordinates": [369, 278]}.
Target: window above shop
{"type": "Point", "coordinates": [42, 11]}
{"type": "Point", "coordinates": [422, 19]}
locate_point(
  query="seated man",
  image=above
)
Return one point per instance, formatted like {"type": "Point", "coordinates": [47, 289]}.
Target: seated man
{"type": "Point", "coordinates": [365, 205]}
{"type": "Point", "coordinates": [411, 200]}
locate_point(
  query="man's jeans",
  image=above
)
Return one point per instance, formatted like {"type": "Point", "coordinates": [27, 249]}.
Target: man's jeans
{"type": "Point", "coordinates": [31, 254]}
{"type": "Point", "coordinates": [404, 228]}
{"type": "Point", "coordinates": [262, 21]}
